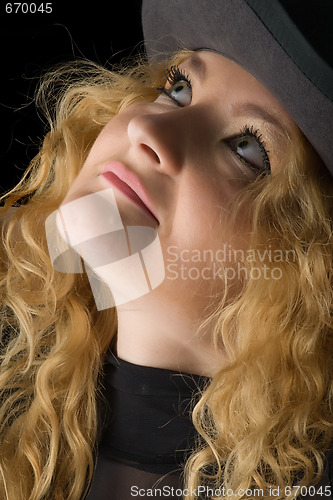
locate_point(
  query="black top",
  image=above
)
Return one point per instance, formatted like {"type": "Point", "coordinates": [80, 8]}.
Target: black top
{"type": "Point", "coordinates": [148, 434]}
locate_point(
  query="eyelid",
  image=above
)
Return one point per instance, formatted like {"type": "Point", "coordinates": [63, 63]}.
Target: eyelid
{"type": "Point", "coordinates": [165, 92]}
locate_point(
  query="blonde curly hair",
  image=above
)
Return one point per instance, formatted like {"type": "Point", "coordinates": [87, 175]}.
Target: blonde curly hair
{"type": "Point", "coordinates": [264, 420]}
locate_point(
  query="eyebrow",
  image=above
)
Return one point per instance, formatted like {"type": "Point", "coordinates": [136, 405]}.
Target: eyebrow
{"type": "Point", "coordinates": [198, 67]}
{"type": "Point", "coordinates": [247, 110]}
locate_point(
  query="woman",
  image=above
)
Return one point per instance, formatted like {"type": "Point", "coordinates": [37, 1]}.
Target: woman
{"type": "Point", "coordinates": [216, 379]}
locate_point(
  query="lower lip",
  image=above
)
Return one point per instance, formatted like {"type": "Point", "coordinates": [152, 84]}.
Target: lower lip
{"type": "Point", "coordinates": [127, 191]}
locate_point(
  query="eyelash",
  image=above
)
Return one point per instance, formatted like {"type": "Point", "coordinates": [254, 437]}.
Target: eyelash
{"type": "Point", "coordinates": [251, 131]}
{"type": "Point", "coordinates": [174, 75]}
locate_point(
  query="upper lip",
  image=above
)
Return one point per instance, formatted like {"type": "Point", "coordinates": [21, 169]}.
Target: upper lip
{"type": "Point", "coordinates": [132, 180]}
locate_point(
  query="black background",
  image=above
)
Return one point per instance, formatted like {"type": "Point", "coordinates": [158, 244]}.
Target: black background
{"type": "Point", "coordinates": [102, 31]}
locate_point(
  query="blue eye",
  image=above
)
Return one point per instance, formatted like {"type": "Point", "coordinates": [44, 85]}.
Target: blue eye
{"type": "Point", "coordinates": [180, 89]}
{"type": "Point", "coordinates": [181, 93]}
{"type": "Point", "coordinates": [250, 148]}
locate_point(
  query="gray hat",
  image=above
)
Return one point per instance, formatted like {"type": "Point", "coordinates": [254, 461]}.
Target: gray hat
{"type": "Point", "coordinates": [261, 37]}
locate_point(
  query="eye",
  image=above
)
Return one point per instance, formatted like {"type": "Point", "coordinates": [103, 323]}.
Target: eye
{"type": "Point", "coordinates": [250, 148]}
{"type": "Point", "coordinates": [180, 89]}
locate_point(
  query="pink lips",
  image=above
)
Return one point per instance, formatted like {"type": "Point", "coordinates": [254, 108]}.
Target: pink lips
{"type": "Point", "coordinates": [124, 180]}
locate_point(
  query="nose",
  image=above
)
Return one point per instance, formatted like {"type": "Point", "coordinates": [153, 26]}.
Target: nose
{"type": "Point", "coordinates": [158, 139]}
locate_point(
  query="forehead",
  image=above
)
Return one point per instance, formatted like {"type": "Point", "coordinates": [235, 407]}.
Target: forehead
{"type": "Point", "coordinates": [225, 79]}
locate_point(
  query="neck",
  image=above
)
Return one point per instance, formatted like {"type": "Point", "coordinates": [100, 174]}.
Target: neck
{"type": "Point", "coordinates": [153, 332]}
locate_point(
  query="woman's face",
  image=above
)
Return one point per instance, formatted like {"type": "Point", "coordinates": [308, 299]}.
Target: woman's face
{"type": "Point", "coordinates": [187, 156]}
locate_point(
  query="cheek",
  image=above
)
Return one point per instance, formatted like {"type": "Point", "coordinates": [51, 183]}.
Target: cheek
{"type": "Point", "coordinates": [205, 204]}
{"type": "Point", "coordinates": [109, 141]}
{"type": "Point", "coordinates": [203, 219]}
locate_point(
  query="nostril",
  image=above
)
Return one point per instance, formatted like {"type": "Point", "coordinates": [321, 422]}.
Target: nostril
{"type": "Point", "coordinates": [151, 152]}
